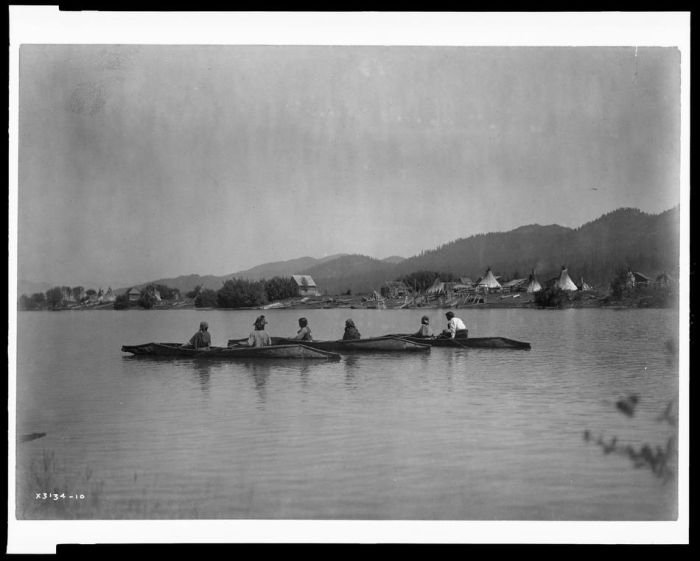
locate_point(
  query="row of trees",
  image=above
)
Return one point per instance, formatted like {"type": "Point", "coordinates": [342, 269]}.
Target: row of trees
{"type": "Point", "coordinates": [60, 296]}
{"type": "Point", "coordinates": [241, 293]}
{"type": "Point", "coordinates": [55, 298]}
{"type": "Point", "coordinates": [36, 301]}
{"type": "Point", "coordinates": [235, 293]}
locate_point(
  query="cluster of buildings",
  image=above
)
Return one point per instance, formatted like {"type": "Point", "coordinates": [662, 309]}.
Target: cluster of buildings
{"type": "Point", "coordinates": [491, 283]}
{"type": "Point", "coordinates": [134, 294]}
{"type": "Point", "coordinates": [79, 295]}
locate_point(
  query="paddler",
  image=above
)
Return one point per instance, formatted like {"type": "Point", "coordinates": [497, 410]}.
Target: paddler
{"type": "Point", "coordinates": [424, 330]}
{"type": "Point", "coordinates": [259, 337]}
{"type": "Point", "coordinates": [351, 331]}
{"type": "Point", "coordinates": [304, 333]}
{"type": "Point", "coordinates": [201, 339]}
{"type": "Point", "coordinates": [455, 328]}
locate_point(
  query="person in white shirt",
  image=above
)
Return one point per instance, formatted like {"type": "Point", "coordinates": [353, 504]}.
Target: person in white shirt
{"type": "Point", "coordinates": [455, 327]}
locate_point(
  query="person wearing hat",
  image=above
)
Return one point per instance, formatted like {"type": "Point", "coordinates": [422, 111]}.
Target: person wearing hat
{"type": "Point", "coordinates": [424, 330]}
{"type": "Point", "coordinates": [201, 339]}
{"type": "Point", "coordinates": [259, 337]}
{"type": "Point", "coordinates": [304, 333]}
{"type": "Point", "coordinates": [455, 327]}
{"type": "Point", "coordinates": [351, 331]}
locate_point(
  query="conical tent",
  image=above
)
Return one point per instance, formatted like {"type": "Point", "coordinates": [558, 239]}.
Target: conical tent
{"type": "Point", "coordinates": [489, 281]}
{"type": "Point", "coordinates": [584, 285]}
{"type": "Point", "coordinates": [437, 287]}
{"type": "Point", "coordinates": [565, 282]}
{"type": "Point", "coordinates": [533, 284]}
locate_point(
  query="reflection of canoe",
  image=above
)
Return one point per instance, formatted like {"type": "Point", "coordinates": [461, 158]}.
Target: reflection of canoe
{"type": "Point", "coordinates": [274, 351]}
{"type": "Point", "coordinates": [470, 342]}
{"type": "Point", "coordinates": [31, 436]}
{"type": "Point", "coordinates": [372, 344]}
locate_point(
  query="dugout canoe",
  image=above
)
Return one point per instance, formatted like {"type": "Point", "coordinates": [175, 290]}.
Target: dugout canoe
{"type": "Point", "coordinates": [470, 342]}
{"type": "Point", "coordinates": [176, 350]}
{"type": "Point", "coordinates": [388, 344]}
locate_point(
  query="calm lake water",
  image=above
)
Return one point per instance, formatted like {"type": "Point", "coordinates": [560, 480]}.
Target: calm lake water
{"type": "Point", "coordinates": [456, 434]}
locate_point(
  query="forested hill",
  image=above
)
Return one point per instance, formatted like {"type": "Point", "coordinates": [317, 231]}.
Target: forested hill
{"type": "Point", "coordinates": [623, 238]}
{"type": "Point", "coordinates": [357, 273]}
{"type": "Point", "coordinates": [186, 283]}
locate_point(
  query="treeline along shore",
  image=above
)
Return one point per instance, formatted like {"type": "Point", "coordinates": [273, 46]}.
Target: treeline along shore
{"type": "Point", "coordinates": [423, 289]}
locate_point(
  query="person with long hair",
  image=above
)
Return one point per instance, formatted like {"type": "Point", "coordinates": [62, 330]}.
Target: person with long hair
{"type": "Point", "coordinates": [304, 333]}
{"type": "Point", "coordinates": [259, 337]}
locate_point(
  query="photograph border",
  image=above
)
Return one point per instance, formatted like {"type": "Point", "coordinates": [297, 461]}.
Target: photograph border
{"type": "Point", "coordinates": [47, 25]}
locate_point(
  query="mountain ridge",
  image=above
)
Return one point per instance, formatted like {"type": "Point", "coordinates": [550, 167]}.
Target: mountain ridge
{"type": "Point", "coordinates": [624, 237]}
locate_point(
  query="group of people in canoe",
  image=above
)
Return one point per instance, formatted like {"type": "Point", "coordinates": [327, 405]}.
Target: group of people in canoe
{"type": "Point", "coordinates": [259, 337]}
{"type": "Point", "coordinates": [455, 328]}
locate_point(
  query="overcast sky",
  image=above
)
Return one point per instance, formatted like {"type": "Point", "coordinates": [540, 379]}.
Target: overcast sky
{"type": "Point", "coordinates": [142, 162]}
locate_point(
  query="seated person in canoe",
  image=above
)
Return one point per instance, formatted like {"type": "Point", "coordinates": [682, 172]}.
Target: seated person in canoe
{"type": "Point", "coordinates": [201, 339]}
{"type": "Point", "coordinates": [351, 331]}
{"type": "Point", "coordinates": [304, 333]}
{"type": "Point", "coordinates": [455, 328]}
{"type": "Point", "coordinates": [259, 337]}
{"type": "Point", "coordinates": [425, 330]}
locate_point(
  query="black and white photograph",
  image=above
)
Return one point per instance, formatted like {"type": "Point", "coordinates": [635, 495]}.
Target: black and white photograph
{"type": "Point", "coordinates": [269, 269]}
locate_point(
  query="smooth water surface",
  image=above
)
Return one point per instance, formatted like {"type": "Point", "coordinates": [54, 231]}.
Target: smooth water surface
{"type": "Point", "coordinates": [456, 434]}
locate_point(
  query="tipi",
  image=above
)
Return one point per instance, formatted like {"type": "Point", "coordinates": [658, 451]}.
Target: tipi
{"type": "Point", "coordinates": [565, 282]}
{"type": "Point", "coordinates": [533, 284]}
{"type": "Point", "coordinates": [489, 281]}
{"type": "Point", "coordinates": [437, 287]}
{"type": "Point", "coordinates": [584, 286]}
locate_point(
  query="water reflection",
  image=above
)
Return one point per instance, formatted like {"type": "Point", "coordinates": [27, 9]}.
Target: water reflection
{"type": "Point", "coordinates": [304, 376]}
{"type": "Point", "coordinates": [449, 363]}
{"type": "Point", "coordinates": [671, 352]}
{"type": "Point", "coordinates": [137, 365]}
{"type": "Point", "coordinates": [351, 365]}
{"type": "Point", "coordinates": [203, 371]}
{"type": "Point", "coordinates": [259, 372]}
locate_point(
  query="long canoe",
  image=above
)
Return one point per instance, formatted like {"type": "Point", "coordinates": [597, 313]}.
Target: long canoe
{"type": "Point", "coordinates": [275, 351]}
{"type": "Point", "coordinates": [371, 344]}
{"type": "Point", "coordinates": [470, 342]}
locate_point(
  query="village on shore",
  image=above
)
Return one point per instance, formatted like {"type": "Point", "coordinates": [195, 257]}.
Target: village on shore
{"type": "Point", "coordinates": [631, 289]}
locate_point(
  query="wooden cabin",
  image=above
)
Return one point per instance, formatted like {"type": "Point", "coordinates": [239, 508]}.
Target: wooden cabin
{"type": "Point", "coordinates": [306, 285]}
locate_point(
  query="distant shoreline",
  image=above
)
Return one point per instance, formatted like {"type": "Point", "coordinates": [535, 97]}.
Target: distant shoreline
{"type": "Point", "coordinates": [506, 302]}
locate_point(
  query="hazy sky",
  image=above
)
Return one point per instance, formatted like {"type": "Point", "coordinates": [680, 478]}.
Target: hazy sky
{"type": "Point", "coordinates": [141, 162]}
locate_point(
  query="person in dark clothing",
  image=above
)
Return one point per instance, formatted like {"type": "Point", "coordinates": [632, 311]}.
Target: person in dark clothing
{"type": "Point", "coordinates": [201, 339]}
{"type": "Point", "coordinates": [351, 331]}
{"type": "Point", "coordinates": [304, 333]}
